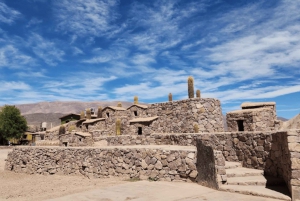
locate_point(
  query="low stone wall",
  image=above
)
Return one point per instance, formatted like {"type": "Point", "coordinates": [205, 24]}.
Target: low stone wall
{"type": "Point", "coordinates": [145, 163]}
{"type": "Point", "coordinates": [259, 150]}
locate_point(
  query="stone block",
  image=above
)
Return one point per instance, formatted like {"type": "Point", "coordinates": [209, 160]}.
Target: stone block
{"type": "Point", "coordinates": [295, 163]}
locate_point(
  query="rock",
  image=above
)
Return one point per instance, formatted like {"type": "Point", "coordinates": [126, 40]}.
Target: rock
{"type": "Point", "coordinates": [158, 165]}
{"type": "Point", "coordinates": [193, 174]}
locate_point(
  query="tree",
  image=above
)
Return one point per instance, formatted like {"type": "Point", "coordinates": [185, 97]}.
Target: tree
{"type": "Point", "coordinates": [12, 123]}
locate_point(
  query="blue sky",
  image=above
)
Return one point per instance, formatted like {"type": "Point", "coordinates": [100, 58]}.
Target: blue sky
{"type": "Point", "coordinates": [86, 50]}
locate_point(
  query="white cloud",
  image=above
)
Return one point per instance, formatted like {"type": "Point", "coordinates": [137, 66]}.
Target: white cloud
{"type": "Point", "coordinates": [11, 86]}
{"type": "Point", "coordinates": [7, 14]}
{"type": "Point", "coordinates": [11, 57]}
{"type": "Point", "coordinates": [86, 17]}
{"type": "Point", "coordinates": [46, 50]}
{"type": "Point", "coordinates": [33, 21]}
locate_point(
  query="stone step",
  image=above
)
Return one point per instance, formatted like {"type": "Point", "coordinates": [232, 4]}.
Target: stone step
{"type": "Point", "coordinates": [246, 181]}
{"type": "Point", "coordinates": [231, 165]}
{"type": "Point", "coordinates": [243, 172]}
{"type": "Point", "coordinates": [277, 192]}
{"type": "Point", "coordinates": [255, 180]}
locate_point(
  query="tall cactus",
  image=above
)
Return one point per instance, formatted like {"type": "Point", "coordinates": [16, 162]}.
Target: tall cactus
{"type": "Point", "coordinates": [119, 104]}
{"type": "Point", "coordinates": [99, 113]}
{"type": "Point", "coordinates": [88, 114]}
{"type": "Point", "coordinates": [170, 97]}
{"type": "Point", "coordinates": [198, 94]}
{"type": "Point", "coordinates": [191, 87]}
{"type": "Point", "coordinates": [118, 127]}
{"type": "Point", "coordinates": [196, 128]}
{"type": "Point", "coordinates": [82, 115]}
{"type": "Point", "coordinates": [136, 100]}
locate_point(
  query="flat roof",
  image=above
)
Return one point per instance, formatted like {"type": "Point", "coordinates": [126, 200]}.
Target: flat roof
{"type": "Point", "coordinates": [115, 108]}
{"type": "Point", "coordinates": [90, 121]}
{"type": "Point", "coordinates": [138, 105]}
{"type": "Point", "coordinates": [146, 119]}
{"type": "Point", "coordinates": [257, 104]}
{"type": "Point", "coordinates": [69, 115]}
{"type": "Point", "coordinates": [248, 110]}
{"type": "Point", "coordinates": [83, 134]}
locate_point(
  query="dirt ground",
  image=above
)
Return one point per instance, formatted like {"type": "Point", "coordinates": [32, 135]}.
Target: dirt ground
{"type": "Point", "coordinates": [23, 187]}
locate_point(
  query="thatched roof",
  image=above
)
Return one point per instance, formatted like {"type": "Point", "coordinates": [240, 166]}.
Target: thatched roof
{"type": "Point", "coordinates": [146, 119]}
{"type": "Point", "coordinates": [138, 105]}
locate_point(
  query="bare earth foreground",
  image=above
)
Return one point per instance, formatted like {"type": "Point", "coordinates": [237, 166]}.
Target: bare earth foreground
{"type": "Point", "coordinates": [75, 188]}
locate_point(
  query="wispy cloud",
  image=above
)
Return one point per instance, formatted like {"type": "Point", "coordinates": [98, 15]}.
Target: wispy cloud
{"type": "Point", "coordinates": [7, 14]}
{"type": "Point", "coordinates": [86, 17]}
{"type": "Point", "coordinates": [46, 50]}
{"type": "Point", "coordinates": [11, 57]}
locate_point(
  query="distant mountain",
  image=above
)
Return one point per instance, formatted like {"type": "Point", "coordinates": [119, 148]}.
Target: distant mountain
{"type": "Point", "coordinates": [282, 119]}
{"type": "Point", "coordinates": [36, 119]}
{"type": "Point", "coordinates": [65, 107]}
{"type": "Point", "coordinates": [293, 123]}
{"type": "Point", "coordinates": [50, 112]}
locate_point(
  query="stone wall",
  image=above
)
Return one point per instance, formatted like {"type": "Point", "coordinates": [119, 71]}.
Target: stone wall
{"type": "Point", "coordinates": [261, 119]}
{"type": "Point", "coordinates": [210, 166]}
{"type": "Point", "coordinates": [258, 150]}
{"type": "Point", "coordinates": [181, 116]}
{"type": "Point", "coordinates": [154, 164]}
{"type": "Point", "coordinates": [292, 174]}
{"type": "Point", "coordinates": [173, 117]}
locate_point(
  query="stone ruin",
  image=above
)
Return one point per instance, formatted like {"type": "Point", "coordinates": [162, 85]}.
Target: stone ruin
{"type": "Point", "coordinates": [181, 140]}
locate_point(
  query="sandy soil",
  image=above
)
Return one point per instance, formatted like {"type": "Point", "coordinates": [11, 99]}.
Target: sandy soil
{"type": "Point", "coordinates": [23, 187]}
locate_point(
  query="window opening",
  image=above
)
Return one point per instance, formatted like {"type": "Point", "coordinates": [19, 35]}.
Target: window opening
{"type": "Point", "coordinates": [240, 125]}
{"type": "Point", "coordinates": [107, 114]}
{"type": "Point", "coordinates": [140, 131]}
{"type": "Point", "coordinates": [135, 113]}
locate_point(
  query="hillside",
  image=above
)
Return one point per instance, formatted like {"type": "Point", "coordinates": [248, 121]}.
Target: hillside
{"type": "Point", "coordinates": [292, 123]}
{"type": "Point", "coordinates": [65, 107]}
{"type": "Point", "coordinates": [36, 119]}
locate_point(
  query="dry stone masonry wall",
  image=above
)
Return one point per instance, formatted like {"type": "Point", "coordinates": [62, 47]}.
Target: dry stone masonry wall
{"type": "Point", "coordinates": [154, 164]}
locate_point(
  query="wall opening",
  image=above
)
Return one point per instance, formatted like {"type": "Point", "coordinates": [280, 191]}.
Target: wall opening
{"type": "Point", "coordinates": [240, 124]}
{"type": "Point", "coordinates": [140, 131]}
{"type": "Point", "coordinates": [107, 114]}
{"type": "Point", "coordinates": [135, 113]}
{"type": "Point", "coordinates": [42, 137]}
{"type": "Point", "coordinates": [65, 144]}
{"type": "Point", "coordinates": [80, 139]}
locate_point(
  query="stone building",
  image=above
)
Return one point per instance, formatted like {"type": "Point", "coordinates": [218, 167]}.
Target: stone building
{"type": "Point", "coordinates": [259, 116]}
